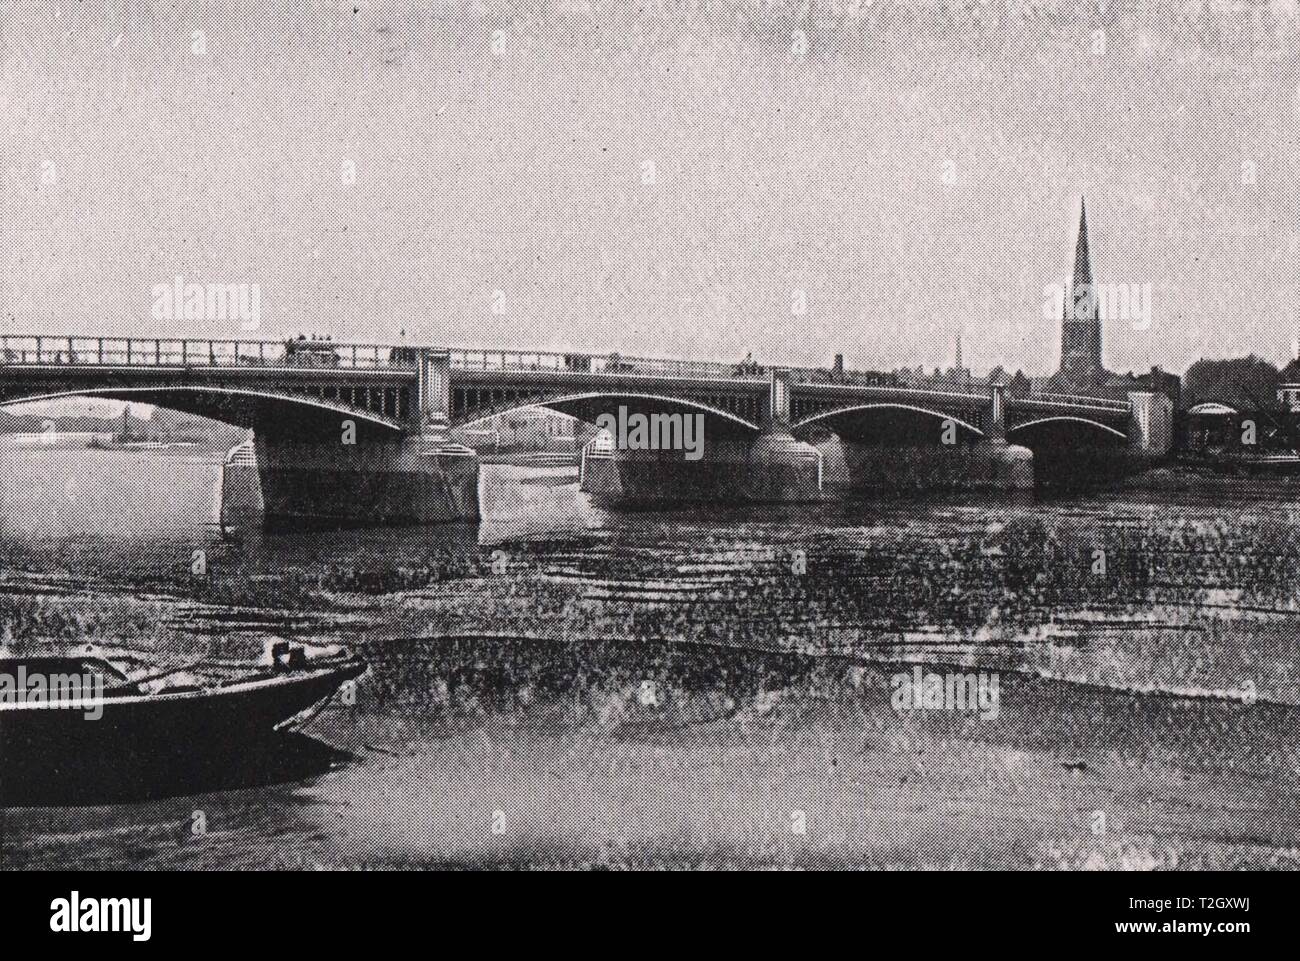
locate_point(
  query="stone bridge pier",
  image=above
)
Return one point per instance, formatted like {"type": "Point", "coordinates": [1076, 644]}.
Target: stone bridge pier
{"type": "Point", "coordinates": [781, 468]}
{"type": "Point", "coordinates": [352, 473]}
{"type": "Point", "coordinates": [737, 463]}
{"type": "Point", "coordinates": [923, 445]}
{"type": "Point", "coordinates": [996, 464]}
{"type": "Point", "coordinates": [1150, 426]}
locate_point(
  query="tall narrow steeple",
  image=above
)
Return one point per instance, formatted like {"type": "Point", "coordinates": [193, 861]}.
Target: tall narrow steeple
{"type": "Point", "coordinates": [1082, 261]}
{"type": "Point", "coordinates": [1081, 319]}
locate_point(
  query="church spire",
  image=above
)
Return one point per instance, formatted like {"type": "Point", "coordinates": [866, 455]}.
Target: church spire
{"type": "Point", "coordinates": [1082, 260]}
{"type": "Point", "coordinates": [1081, 366]}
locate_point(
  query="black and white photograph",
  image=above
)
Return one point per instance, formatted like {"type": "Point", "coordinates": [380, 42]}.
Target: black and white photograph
{"type": "Point", "coordinates": [723, 435]}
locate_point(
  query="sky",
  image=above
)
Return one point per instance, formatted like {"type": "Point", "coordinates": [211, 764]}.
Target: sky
{"type": "Point", "coordinates": [590, 177]}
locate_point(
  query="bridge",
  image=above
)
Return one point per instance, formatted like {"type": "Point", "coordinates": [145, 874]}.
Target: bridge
{"type": "Point", "coordinates": [363, 433]}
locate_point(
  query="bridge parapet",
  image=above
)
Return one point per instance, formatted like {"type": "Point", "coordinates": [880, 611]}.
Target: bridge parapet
{"type": "Point", "coordinates": [1050, 397]}
{"type": "Point", "coordinates": [585, 363]}
{"type": "Point", "coordinates": [40, 350]}
{"type": "Point", "coordinates": [1075, 401]}
{"type": "Point", "coordinates": [51, 350]}
{"type": "Point", "coordinates": [1110, 414]}
{"type": "Point", "coordinates": [484, 381]}
{"type": "Point", "coordinates": [813, 402]}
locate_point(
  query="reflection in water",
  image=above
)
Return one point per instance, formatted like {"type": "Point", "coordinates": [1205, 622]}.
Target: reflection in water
{"type": "Point", "coordinates": [521, 502]}
{"type": "Point", "coordinates": [275, 759]}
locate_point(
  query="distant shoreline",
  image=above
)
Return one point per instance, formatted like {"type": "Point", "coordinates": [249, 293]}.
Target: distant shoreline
{"type": "Point", "coordinates": [95, 441]}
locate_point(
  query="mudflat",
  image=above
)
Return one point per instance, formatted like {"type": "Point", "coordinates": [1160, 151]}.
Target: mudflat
{"type": "Point", "coordinates": [775, 760]}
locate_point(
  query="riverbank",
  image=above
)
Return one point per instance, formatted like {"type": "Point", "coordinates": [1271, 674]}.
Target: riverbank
{"type": "Point", "coordinates": [654, 757]}
{"type": "Point", "coordinates": [1263, 477]}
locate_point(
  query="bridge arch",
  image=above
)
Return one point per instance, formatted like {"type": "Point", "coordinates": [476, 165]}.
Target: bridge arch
{"type": "Point", "coordinates": [589, 406]}
{"type": "Point", "coordinates": [1072, 451]}
{"type": "Point", "coordinates": [908, 410]}
{"type": "Point", "coordinates": [267, 412]}
{"type": "Point", "coordinates": [1212, 408]}
{"type": "Point", "coordinates": [1060, 419]}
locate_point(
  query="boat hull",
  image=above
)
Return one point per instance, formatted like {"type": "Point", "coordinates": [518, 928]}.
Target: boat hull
{"type": "Point", "coordinates": [161, 743]}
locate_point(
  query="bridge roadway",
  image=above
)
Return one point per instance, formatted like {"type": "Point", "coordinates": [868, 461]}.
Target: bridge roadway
{"type": "Point", "coordinates": [401, 402]}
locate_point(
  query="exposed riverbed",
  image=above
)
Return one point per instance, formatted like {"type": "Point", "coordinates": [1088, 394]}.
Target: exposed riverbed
{"type": "Point", "coordinates": [1146, 643]}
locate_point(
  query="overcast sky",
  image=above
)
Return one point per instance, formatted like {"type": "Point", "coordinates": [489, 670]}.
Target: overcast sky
{"type": "Point", "coordinates": [131, 158]}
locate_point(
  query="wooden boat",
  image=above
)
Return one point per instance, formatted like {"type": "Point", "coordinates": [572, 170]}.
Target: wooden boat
{"type": "Point", "coordinates": [127, 731]}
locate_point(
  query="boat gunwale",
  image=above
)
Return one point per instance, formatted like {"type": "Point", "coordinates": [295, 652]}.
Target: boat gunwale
{"type": "Point", "coordinates": [238, 687]}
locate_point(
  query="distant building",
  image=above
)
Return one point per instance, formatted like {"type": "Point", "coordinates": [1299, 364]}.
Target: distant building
{"type": "Point", "coordinates": [525, 429]}
{"type": "Point", "coordinates": [1241, 410]}
{"type": "Point", "coordinates": [1156, 382]}
{"type": "Point", "coordinates": [1239, 383]}
{"type": "Point", "coordinates": [1288, 386]}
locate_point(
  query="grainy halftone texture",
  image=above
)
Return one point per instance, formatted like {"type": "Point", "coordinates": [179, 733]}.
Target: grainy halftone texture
{"type": "Point", "coordinates": [919, 668]}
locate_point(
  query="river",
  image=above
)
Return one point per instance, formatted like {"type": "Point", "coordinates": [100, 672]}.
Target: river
{"type": "Point", "coordinates": [1186, 592]}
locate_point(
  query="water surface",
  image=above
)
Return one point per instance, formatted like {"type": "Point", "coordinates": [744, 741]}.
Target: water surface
{"type": "Point", "coordinates": [551, 615]}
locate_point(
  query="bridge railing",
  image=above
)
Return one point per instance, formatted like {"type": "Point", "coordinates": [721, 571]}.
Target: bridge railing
{"type": "Point", "coordinates": [1073, 400]}
{"type": "Point", "coordinates": [509, 360]}
{"type": "Point", "coordinates": [41, 350]}
{"type": "Point", "coordinates": [845, 378]}
{"type": "Point", "coordinates": [875, 382]}
{"type": "Point", "coordinates": [45, 350]}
